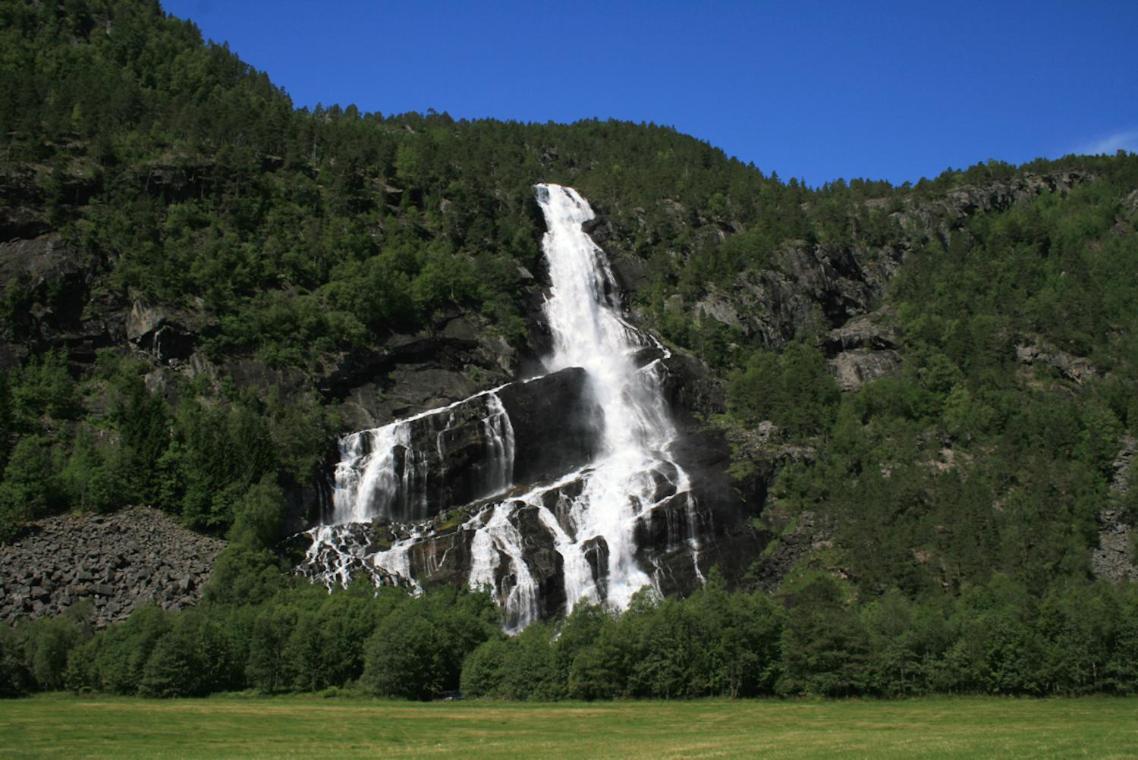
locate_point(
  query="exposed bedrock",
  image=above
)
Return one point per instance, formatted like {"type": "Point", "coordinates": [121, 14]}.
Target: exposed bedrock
{"type": "Point", "coordinates": [556, 423]}
{"type": "Point", "coordinates": [531, 431]}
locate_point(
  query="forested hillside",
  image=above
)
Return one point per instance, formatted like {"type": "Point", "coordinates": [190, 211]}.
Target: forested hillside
{"type": "Point", "coordinates": [928, 392]}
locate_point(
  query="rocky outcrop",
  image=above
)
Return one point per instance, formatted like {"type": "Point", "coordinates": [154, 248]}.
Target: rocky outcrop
{"type": "Point", "coordinates": [1113, 559]}
{"type": "Point", "coordinates": [863, 349]}
{"type": "Point", "coordinates": [940, 216]}
{"type": "Point", "coordinates": [25, 189]}
{"type": "Point", "coordinates": [797, 539]}
{"type": "Point", "coordinates": [22, 213]}
{"type": "Point", "coordinates": [853, 369]}
{"type": "Point", "coordinates": [48, 281]}
{"type": "Point", "coordinates": [875, 331]}
{"type": "Point", "coordinates": [45, 279]}
{"type": "Point", "coordinates": [805, 288]}
{"type": "Point", "coordinates": [410, 373]}
{"type": "Point", "coordinates": [1034, 351]}
{"type": "Point", "coordinates": [116, 562]}
{"type": "Point", "coordinates": [158, 332]}
{"type": "Point", "coordinates": [818, 287]}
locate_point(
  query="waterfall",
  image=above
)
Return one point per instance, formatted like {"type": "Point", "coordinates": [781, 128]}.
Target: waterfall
{"type": "Point", "coordinates": [464, 454]}
{"type": "Point", "coordinates": [589, 332]}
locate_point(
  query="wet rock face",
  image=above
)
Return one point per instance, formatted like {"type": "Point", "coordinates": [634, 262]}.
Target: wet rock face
{"type": "Point", "coordinates": [467, 451]}
{"type": "Point", "coordinates": [556, 424]}
{"type": "Point", "coordinates": [465, 468]}
{"type": "Point", "coordinates": [116, 562]}
{"type": "Point", "coordinates": [543, 560]}
{"type": "Point", "coordinates": [679, 536]}
{"type": "Point", "coordinates": [442, 556]}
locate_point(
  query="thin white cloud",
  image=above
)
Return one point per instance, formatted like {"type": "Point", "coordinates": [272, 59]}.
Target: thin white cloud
{"type": "Point", "coordinates": [1127, 140]}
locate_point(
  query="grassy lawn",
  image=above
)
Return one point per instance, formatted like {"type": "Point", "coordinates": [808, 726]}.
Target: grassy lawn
{"type": "Point", "coordinates": [57, 725]}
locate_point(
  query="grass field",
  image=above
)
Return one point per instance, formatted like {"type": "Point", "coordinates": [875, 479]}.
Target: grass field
{"type": "Point", "coordinates": [57, 725]}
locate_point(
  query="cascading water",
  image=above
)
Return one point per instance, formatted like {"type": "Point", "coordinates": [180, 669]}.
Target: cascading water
{"type": "Point", "coordinates": [590, 515]}
{"type": "Point", "coordinates": [588, 332]}
{"type": "Point", "coordinates": [386, 473]}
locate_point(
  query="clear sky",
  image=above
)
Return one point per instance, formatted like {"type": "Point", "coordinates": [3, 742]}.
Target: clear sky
{"type": "Point", "coordinates": [816, 90]}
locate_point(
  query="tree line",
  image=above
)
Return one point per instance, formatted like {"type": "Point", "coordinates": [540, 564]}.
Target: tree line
{"type": "Point", "coordinates": [258, 629]}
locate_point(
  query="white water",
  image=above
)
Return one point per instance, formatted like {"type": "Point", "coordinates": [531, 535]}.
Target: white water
{"type": "Point", "coordinates": [589, 332]}
{"type": "Point", "coordinates": [382, 472]}
{"type": "Point", "coordinates": [497, 537]}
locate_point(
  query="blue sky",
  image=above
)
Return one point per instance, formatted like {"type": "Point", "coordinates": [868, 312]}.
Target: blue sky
{"type": "Point", "coordinates": [815, 90]}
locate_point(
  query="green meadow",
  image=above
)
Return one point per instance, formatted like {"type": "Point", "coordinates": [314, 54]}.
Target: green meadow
{"type": "Point", "coordinates": [68, 726]}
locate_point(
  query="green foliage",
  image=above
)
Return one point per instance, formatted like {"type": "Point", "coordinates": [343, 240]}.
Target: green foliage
{"type": "Point", "coordinates": [824, 644]}
{"type": "Point", "coordinates": [418, 650]}
{"type": "Point", "coordinates": [15, 680]}
{"type": "Point", "coordinates": [114, 660]}
{"type": "Point", "coordinates": [326, 648]}
{"type": "Point", "coordinates": [260, 515]}
{"type": "Point", "coordinates": [713, 644]}
{"type": "Point", "coordinates": [484, 670]}
{"type": "Point", "coordinates": [143, 422]}
{"type": "Point", "coordinates": [47, 643]}
{"type": "Point", "coordinates": [267, 668]}
{"type": "Point", "coordinates": [30, 487]}
{"type": "Point", "coordinates": [521, 668]}
{"type": "Point", "coordinates": [816, 637]}
{"type": "Point", "coordinates": [794, 389]}
{"type": "Point", "coordinates": [243, 574]}
{"type": "Point", "coordinates": [216, 454]}
{"type": "Point", "coordinates": [92, 480]}
{"type": "Point", "coordinates": [43, 387]}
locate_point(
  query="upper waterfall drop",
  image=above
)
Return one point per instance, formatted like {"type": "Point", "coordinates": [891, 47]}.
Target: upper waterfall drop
{"type": "Point", "coordinates": [589, 332]}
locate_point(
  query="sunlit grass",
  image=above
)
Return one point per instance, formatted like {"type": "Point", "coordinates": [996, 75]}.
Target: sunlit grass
{"type": "Point", "coordinates": [57, 725]}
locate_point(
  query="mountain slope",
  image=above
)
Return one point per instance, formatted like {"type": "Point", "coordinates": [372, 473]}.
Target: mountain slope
{"type": "Point", "coordinates": [203, 287]}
